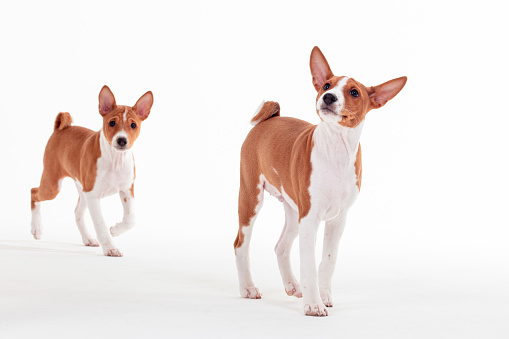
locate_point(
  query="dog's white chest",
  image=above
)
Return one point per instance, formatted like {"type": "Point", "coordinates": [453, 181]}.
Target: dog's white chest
{"type": "Point", "coordinates": [115, 171]}
{"type": "Point", "coordinates": [333, 188]}
{"type": "Point", "coordinates": [113, 177]}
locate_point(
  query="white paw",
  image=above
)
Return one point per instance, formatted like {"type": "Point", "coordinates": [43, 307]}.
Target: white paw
{"type": "Point", "coordinates": [293, 288]}
{"type": "Point", "coordinates": [36, 222]}
{"type": "Point", "coordinates": [115, 252]}
{"type": "Point", "coordinates": [120, 228]}
{"type": "Point", "coordinates": [250, 293]}
{"type": "Point", "coordinates": [91, 242]}
{"type": "Point", "coordinates": [315, 309]}
{"type": "Point", "coordinates": [37, 233]}
{"type": "Point", "coordinates": [115, 231]}
{"type": "Point", "coordinates": [327, 298]}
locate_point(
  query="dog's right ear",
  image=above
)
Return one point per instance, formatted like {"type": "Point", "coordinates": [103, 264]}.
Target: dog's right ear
{"type": "Point", "coordinates": [106, 101]}
{"type": "Point", "coordinates": [320, 69]}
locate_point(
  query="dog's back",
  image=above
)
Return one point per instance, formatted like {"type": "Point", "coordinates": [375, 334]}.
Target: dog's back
{"type": "Point", "coordinates": [65, 147]}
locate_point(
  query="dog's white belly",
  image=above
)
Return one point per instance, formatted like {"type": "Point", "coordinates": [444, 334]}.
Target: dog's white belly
{"type": "Point", "coordinates": [279, 194]}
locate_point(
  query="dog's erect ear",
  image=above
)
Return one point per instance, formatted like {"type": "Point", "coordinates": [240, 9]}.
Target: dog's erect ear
{"type": "Point", "coordinates": [379, 95]}
{"type": "Point", "coordinates": [106, 101]}
{"type": "Point", "coordinates": [143, 105]}
{"type": "Point", "coordinates": [320, 69]}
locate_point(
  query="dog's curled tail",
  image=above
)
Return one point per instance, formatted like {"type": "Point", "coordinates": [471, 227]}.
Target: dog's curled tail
{"type": "Point", "coordinates": [62, 121]}
{"type": "Point", "coordinates": [265, 111]}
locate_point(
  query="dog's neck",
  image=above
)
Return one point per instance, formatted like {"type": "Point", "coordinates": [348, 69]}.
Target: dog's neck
{"type": "Point", "coordinates": [117, 159]}
{"type": "Point", "coordinates": [332, 139]}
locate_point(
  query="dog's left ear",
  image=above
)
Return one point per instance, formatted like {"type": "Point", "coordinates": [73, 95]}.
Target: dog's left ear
{"type": "Point", "coordinates": [379, 95]}
{"type": "Point", "coordinates": [320, 69]}
{"type": "Point", "coordinates": [143, 105]}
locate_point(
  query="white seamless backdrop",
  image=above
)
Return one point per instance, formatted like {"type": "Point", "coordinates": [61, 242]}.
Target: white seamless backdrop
{"type": "Point", "coordinates": [425, 249]}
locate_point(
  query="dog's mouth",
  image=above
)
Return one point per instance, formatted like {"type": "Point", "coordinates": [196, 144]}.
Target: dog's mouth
{"type": "Point", "coordinates": [335, 113]}
{"type": "Point", "coordinates": [120, 148]}
{"type": "Point", "coordinates": [326, 110]}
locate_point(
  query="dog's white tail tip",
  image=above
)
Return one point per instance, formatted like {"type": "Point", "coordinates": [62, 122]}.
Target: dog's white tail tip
{"type": "Point", "coordinates": [254, 123]}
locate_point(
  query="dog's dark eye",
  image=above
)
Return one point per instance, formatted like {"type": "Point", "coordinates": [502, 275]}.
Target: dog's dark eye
{"type": "Point", "coordinates": [354, 93]}
{"type": "Point", "coordinates": [133, 125]}
{"type": "Point", "coordinates": [112, 123]}
{"type": "Point", "coordinates": [326, 86]}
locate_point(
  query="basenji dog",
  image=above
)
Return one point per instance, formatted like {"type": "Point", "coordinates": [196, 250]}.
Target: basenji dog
{"type": "Point", "coordinates": [315, 171]}
{"type": "Point", "coordinates": [100, 163]}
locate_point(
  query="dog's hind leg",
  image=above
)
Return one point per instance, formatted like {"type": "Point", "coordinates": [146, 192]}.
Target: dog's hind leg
{"type": "Point", "coordinates": [48, 190]}
{"type": "Point", "coordinates": [250, 203]}
{"type": "Point", "coordinates": [283, 249]}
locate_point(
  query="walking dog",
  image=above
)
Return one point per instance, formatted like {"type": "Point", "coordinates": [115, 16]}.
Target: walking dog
{"type": "Point", "coordinates": [100, 163]}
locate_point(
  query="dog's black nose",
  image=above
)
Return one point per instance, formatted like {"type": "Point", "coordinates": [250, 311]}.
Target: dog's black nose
{"type": "Point", "coordinates": [329, 98]}
{"type": "Point", "coordinates": [121, 142]}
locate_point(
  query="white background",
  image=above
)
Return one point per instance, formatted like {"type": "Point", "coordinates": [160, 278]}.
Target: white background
{"type": "Point", "coordinates": [425, 252]}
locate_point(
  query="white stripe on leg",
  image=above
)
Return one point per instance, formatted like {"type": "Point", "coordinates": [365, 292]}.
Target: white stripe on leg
{"type": "Point", "coordinates": [36, 224]}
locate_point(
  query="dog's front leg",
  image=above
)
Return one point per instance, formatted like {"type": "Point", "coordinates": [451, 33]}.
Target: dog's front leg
{"type": "Point", "coordinates": [103, 236]}
{"type": "Point", "coordinates": [332, 234]}
{"type": "Point", "coordinates": [127, 223]}
{"type": "Point", "coordinates": [313, 305]}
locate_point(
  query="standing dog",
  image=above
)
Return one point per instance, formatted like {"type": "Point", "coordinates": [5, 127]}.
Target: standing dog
{"type": "Point", "coordinates": [100, 163]}
{"type": "Point", "coordinates": [315, 171]}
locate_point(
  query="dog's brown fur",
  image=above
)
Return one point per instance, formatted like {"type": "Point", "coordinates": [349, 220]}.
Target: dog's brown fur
{"type": "Point", "coordinates": [279, 148]}
{"type": "Point", "coordinates": [72, 151]}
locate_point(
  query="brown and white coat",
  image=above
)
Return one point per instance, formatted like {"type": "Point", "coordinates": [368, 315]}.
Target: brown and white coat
{"type": "Point", "coordinates": [100, 163]}
{"type": "Point", "coordinates": [315, 170]}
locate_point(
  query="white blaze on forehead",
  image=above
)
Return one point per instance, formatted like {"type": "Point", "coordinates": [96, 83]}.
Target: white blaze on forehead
{"type": "Point", "coordinates": [336, 106]}
{"type": "Point", "coordinates": [125, 118]}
